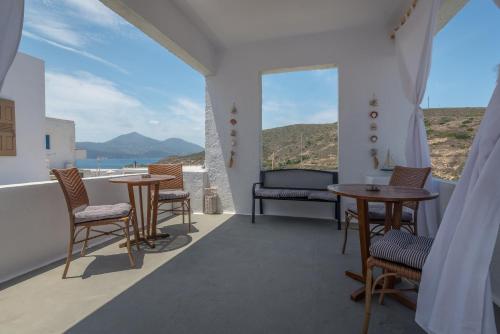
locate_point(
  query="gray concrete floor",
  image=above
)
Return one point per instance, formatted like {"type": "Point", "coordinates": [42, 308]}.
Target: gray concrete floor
{"type": "Point", "coordinates": [281, 275]}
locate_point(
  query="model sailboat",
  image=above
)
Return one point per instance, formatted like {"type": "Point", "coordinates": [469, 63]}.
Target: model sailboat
{"type": "Point", "coordinates": [388, 163]}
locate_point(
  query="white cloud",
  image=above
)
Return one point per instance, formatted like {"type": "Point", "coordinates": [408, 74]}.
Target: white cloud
{"type": "Point", "coordinates": [101, 110]}
{"type": "Point", "coordinates": [96, 12]}
{"type": "Point", "coordinates": [51, 27]}
{"type": "Point", "coordinates": [281, 113]}
{"type": "Point", "coordinates": [73, 50]}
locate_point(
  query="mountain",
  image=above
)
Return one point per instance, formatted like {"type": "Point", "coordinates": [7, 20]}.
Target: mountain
{"type": "Point", "coordinates": [135, 145]}
{"type": "Point", "coordinates": [450, 133]}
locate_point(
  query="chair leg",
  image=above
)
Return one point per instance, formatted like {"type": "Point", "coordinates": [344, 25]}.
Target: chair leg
{"type": "Point", "coordinates": [261, 206]}
{"type": "Point", "coordinates": [182, 206]}
{"type": "Point", "coordinates": [368, 299]}
{"type": "Point", "coordinates": [385, 285]}
{"type": "Point", "coordinates": [129, 249]}
{"type": "Point", "coordinates": [347, 223]}
{"type": "Point", "coordinates": [135, 226]}
{"type": "Point", "coordinates": [188, 203]}
{"type": "Point", "coordinates": [84, 248]}
{"type": "Point", "coordinates": [253, 210]}
{"type": "Point", "coordinates": [70, 251]}
{"type": "Point", "coordinates": [337, 213]}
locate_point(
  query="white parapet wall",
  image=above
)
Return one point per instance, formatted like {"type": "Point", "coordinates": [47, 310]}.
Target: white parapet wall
{"type": "Point", "coordinates": [35, 225]}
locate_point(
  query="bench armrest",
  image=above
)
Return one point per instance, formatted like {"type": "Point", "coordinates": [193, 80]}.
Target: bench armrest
{"type": "Point", "coordinates": [254, 186]}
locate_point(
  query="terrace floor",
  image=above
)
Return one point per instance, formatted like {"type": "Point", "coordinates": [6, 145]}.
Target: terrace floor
{"type": "Point", "coordinates": [281, 275]}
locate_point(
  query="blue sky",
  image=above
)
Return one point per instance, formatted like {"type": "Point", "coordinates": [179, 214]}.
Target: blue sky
{"type": "Point", "coordinates": [112, 79]}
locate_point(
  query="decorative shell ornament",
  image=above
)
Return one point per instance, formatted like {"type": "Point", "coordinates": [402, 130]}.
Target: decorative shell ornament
{"type": "Point", "coordinates": [233, 121]}
{"type": "Point", "coordinates": [233, 109]}
{"type": "Point", "coordinates": [373, 101]}
{"type": "Point", "coordinates": [373, 126]}
{"type": "Point", "coordinates": [233, 133]}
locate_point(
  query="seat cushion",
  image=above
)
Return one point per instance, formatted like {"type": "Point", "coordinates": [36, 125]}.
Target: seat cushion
{"type": "Point", "coordinates": [168, 194]}
{"type": "Point", "coordinates": [281, 193]}
{"type": "Point", "coordinates": [401, 247]}
{"type": "Point", "coordinates": [323, 195]}
{"type": "Point", "coordinates": [101, 212]}
{"type": "Point", "coordinates": [376, 211]}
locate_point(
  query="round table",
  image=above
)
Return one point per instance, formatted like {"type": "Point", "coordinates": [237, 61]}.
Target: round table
{"type": "Point", "coordinates": [149, 234]}
{"type": "Point", "coordinates": [393, 197]}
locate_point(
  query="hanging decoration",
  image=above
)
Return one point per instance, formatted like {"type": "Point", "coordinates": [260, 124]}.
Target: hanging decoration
{"type": "Point", "coordinates": [232, 133]}
{"type": "Point", "coordinates": [373, 103]}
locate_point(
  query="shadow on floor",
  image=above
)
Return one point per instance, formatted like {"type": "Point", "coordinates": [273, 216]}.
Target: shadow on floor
{"type": "Point", "coordinates": [280, 275]}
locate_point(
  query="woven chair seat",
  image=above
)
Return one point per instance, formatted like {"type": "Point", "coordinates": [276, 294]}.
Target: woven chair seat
{"type": "Point", "coordinates": [403, 248]}
{"type": "Point", "coordinates": [377, 212]}
{"type": "Point", "coordinates": [169, 194]}
{"type": "Point", "coordinates": [102, 212]}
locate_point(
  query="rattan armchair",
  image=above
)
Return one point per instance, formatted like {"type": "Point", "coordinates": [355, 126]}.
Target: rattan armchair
{"type": "Point", "coordinates": [400, 255]}
{"type": "Point", "coordinates": [172, 191]}
{"type": "Point", "coordinates": [402, 177]}
{"type": "Point", "coordinates": [83, 217]}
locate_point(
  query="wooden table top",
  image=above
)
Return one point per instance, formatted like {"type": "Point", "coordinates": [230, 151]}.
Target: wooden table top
{"type": "Point", "coordinates": [139, 180]}
{"type": "Point", "coordinates": [385, 194]}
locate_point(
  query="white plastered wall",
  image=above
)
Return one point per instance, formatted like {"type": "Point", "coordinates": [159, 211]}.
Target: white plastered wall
{"type": "Point", "coordinates": [25, 84]}
{"type": "Point", "coordinates": [367, 65]}
{"type": "Point", "coordinates": [62, 142]}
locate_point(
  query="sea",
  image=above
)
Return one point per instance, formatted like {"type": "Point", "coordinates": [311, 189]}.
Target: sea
{"type": "Point", "coordinates": [113, 163]}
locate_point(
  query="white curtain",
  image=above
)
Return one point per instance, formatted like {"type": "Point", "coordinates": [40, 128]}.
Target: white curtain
{"type": "Point", "coordinates": [455, 292]}
{"type": "Point", "coordinates": [414, 48]}
{"type": "Point", "coordinates": [11, 26]}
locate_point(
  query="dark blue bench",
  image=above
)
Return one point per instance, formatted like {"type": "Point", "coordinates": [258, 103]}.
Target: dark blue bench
{"type": "Point", "coordinates": [296, 185]}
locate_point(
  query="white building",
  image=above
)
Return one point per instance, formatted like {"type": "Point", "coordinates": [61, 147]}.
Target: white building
{"type": "Point", "coordinates": [60, 143]}
{"type": "Point", "coordinates": [25, 84]}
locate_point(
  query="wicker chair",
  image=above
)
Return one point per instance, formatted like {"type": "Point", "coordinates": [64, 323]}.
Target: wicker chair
{"type": "Point", "coordinates": [172, 191]}
{"type": "Point", "coordinates": [400, 255]}
{"type": "Point", "coordinates": [402, 177]}
{"type": "Point", "coordinates": [84, 217]}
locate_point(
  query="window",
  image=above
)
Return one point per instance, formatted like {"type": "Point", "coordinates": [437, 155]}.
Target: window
{"type": "Point", "coordinates": [462, 79]}
{"type": "Point", "coordinates": [299, 119]}
{"type": "Point", "coordinates": [47, 142]}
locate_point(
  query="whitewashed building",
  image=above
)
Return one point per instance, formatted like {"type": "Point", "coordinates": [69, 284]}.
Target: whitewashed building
{"type": "Point", "coordinates": [60, 143]}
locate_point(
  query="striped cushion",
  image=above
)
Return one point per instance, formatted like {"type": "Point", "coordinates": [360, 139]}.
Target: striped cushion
{"type": "Point", "coordinates": [323, 195]}
{"type": "Point", "coordinates": [281, 193]}
{"type": "Point", "coordinates": [376, 211]}
{"type": "Point", "coordinates": [172, 194]}
{"type": "Point", "coordinates": [401, 247]}
{"type": "Point", "coordinates": [101, 212]}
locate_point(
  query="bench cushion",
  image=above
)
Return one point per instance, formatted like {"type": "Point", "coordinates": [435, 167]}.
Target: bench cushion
{"type": "Point", "coordinates": [101, 212]}
{"type": "Point", "coordinates": [281, 193]}
{"type": "Point", "coordinates": [377, 212]}
{"type": "Point", "coordinates": [323, 195]}
{"type": "Point", "coordinates": [401, 247]}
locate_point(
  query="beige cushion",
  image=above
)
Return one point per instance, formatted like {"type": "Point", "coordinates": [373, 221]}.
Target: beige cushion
{"type": "Point", "coordinates": [169, 194]}
{"type": "Point", "coordinates": [101, 212]}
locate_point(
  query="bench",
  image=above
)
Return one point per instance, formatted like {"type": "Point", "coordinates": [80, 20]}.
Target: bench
{"type": "Point", "coordinates": [296, 185]}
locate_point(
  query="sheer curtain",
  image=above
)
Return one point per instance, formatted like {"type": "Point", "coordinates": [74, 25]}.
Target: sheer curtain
{"type": "Point", "coordinates": [11, 26]}
{"type": "Point", "coordinates": [455, 294]}
{"type": "Point", "coordinates": [414, 48]}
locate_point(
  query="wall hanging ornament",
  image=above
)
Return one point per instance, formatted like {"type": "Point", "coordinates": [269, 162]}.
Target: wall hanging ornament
{"type": "Point", "coordinates": [373, 126]}
{"type": "Point", "coordinates": [373, 114]}
{"type": "Point", "coordinates": [232, 133]}
{"type": "Point", "coordinates": [373, 139]}
{"type": "Point", "coordinates": [374, 153]}
{"type": "Point", "coordinates": [373, 101]}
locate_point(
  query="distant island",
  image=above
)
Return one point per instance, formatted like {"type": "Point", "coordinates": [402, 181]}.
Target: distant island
{"type": "Point", "coordinates": [136, 146]}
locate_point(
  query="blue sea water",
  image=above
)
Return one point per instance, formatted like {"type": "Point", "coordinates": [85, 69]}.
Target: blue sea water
{"type": "Point", "coordinates": [112, 163]}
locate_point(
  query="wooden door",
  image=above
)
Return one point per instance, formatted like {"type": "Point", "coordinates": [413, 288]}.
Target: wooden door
{"type": "Point", "coordinates": [7, 128]}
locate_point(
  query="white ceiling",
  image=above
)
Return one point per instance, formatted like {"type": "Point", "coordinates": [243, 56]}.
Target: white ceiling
{"type": "Point", "coordinates": [230, 22]}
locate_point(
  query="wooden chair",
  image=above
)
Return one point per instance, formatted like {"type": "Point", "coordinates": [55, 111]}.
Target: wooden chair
{"type": "Point", "coordinates": [400, 255]}
{"type": "Point", "coordinates": [402, 177]}
{"type": "Point", "coordinates": [82, 216]}
{"type": "Point", "coordinates": [172, 191]}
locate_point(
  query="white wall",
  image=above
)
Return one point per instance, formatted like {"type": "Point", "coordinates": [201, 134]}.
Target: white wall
{"type": "Point", "coordinates": [367, 65]}
{"type": "Point", "coordinates": [25, 84]}
{"type": "Point", "coordinates": [62, 142]}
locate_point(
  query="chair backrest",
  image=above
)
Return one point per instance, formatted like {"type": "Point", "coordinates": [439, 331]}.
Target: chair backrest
{"type": "Point", "coordinates": [409, 177]}
{"type": "Point", "coordinates": [168, 169]}
{"type": "Point", "coordinates": [73, 188]}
